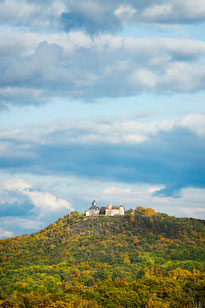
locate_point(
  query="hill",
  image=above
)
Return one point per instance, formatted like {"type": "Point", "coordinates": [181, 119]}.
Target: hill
{"type": "Point", "coordinates": [142, 259]}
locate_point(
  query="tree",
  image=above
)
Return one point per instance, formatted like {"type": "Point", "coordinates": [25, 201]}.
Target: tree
{"type": "Point", "coordinates": [144, 211]}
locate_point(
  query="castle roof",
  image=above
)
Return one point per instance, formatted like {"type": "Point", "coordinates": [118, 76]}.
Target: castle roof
{"type": "Point", "coordinates": [94, 206]}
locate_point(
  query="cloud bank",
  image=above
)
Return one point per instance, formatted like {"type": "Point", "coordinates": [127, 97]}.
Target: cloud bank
{"type": "Point", "coordinates": [97, 16]}
{"type": "Point", "coordinates": [169, 153]}
{"type": "Point", "coordinates": [91, 15]}
{"type": "Point", "coordinates": [39, 68]}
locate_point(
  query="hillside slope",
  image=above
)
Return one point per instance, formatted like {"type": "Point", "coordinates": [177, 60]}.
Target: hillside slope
{"type": "Point", "coordinates": [79, 259]}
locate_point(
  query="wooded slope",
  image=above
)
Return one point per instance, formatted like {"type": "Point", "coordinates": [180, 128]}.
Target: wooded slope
{"type": "Point", "coordinates": [142, 259]}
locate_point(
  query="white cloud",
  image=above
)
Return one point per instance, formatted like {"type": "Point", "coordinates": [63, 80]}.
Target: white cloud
{"type": "Point", "coordinates": [76, 64]}
{"type": "Point", "coordinates": [120, 12]}
{"type": "Point", "coordinates": [21, 93]}
{"type": "Point", "coordinates": [153, 189]}
{"type": "Point", "coordinates": [126, 13]}
{"type": "Point", "coordinates": [112, 131]}
{"type": "Point", "coordinates": [144, 78]}
{"type": "Point", "coordinates": [117, 190]}
{"type": "Point", "coordinates": [5, 233]}
{"type": "Point", "coordinates": [31, 14]}
{"type": "Point", "coordinates": [98, 16]}
{"type": "Point", "coordinates": [8, 222]}
{"type": "Point", "coordinates": [17, 10]}
{"type": "Point", "coordinates": [192, 8]}
{"type": "Point", "coordinates": [194, 122]}
{"type": "Point", "coordinates": [157, 12]}
{"type": "Point", "coordinates": [17, 184]}
{"type": "Point", "coordinates": [139, 194]}
{"type": "Point", "coordinates": [102, 130]}
{"type": "Point", "coordinates": [164, 12]}
{"type": "Point", "coordinates": [196, 212]}
{"type": "Point", "coordinates": [43, 201]}
{"type": "Point", "coordinates": [47, 202]}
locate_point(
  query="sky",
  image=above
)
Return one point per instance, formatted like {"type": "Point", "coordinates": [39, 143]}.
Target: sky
{"type": "Point", "coordinates": [100, 100]}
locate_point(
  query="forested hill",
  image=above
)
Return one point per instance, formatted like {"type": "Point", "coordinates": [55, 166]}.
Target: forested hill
{"type": "Point", "coordinates": [142, 259]}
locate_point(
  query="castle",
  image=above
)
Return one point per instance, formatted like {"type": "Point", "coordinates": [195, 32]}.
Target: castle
{"type": "Point", "coordinates": [109, 210]}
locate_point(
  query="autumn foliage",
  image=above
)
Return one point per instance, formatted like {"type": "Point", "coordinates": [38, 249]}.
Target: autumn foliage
{"type": "Point", "coordinates": [142, 259]}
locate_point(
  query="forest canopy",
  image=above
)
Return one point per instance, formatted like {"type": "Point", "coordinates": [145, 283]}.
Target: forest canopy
{"type": "Point", "coordinates": [142, 259]}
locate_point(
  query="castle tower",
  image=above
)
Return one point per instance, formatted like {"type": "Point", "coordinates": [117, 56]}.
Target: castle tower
{"type": "Point", "coordinates": [93, 210]}
{"type": "Point", "coordinates": [94, 203]}
{"type": "Point", "coordinates": [121, 210]}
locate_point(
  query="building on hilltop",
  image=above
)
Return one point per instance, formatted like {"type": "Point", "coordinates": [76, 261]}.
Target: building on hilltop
{"type": "Point", "coordinates": [112, 210]}
{"type": "Point", "coordinates": [93, 210]}
{"type": "Point", "coordinates": [109, 210]}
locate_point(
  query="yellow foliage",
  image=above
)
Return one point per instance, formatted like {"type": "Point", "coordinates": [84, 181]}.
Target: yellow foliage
{"type": "Point", "coordinates": [126, 260]}
{"type": "Point", "coordinates": [144, 211]}
{"type": "Point", "coordinates": [156, 304]}
{"type": "Point", "coordinates": [118, 245]}
{"type": "Point", "coordinates": [132, 219]}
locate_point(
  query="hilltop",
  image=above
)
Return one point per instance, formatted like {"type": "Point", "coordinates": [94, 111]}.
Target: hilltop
{"type": "Point", "coordinates": [132, 261]}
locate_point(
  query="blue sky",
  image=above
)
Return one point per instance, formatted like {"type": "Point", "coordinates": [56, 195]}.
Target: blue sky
{"type": "Point", "coordinates": [100, 100]}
